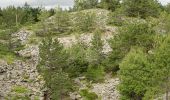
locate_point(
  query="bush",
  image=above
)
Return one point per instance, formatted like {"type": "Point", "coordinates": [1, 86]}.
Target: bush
{"type": "Point", "coordinates": [116, 18]}
{"type": "Point", "coordinates": [95, 73]}
{"type": "Point", "coordinates": [84, 22]}
{"type": "Point", "coordinates": [109, 4]}
{"type": "Point", "coordinates": [88, 95]}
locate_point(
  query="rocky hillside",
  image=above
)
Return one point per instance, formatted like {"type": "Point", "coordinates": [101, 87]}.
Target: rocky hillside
{"type": "Point", "coordinates": [20, 79]}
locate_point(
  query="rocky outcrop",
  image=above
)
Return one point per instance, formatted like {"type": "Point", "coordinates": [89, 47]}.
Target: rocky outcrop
{"type": "Point", "coordinates": [107, 90]}
{"type": "Point", "coordinates": [22, 74]}
{"type": "Point", "coordinates": [23, 35]}
{"type": "Point", "coordinates": [86, 38]}
{"type": "Point", "coordinates": [32, 51]}
{"type": "Point", "coordinates": [20, 79]}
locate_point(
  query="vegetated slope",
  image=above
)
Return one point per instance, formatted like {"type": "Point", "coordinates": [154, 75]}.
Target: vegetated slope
{"type": "Point", "coordinates": [20, 78]}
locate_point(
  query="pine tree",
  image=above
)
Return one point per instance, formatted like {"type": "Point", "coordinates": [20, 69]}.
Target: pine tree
{"type": "Point", "coordinates": [95, 51]}
{"type": "Point", "coordinates": [62, 21]}
{"type": "Point", "coordinates": [137, 33]}
{"type": "Point", "coordinates": [51, 64]}
{"type": "Point", "coordinates": [135, 75]}
{"type": "Point", "coordinates": [141, 8]}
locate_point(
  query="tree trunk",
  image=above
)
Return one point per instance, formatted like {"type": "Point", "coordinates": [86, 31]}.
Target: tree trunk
{"type": "Point", "coordinates": [46, 95]}
{"type": "Point", "coordinates": [167, 97]}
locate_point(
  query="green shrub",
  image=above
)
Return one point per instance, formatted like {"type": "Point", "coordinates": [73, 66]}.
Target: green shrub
{"type": "Point", "coordinates": [88, 95]}
{"type": "Point", "coordinates": [95, 73]}
{"type": "Point", "coordinates": [19, 89]}
{"type": "Point", "coordinates": [77, 63]}
{"type": "Point", "coordinates": [84, 22]}
{"type": "Point", "coordinates": [116, 18]}
{"type": "Point", "coordinates": [4, 34]}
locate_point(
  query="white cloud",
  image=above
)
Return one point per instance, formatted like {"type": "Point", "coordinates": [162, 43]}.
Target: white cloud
{"type": "Point", "coordinates": [46, 3]}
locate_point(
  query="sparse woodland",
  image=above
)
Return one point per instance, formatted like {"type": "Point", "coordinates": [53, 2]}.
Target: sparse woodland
{"type": "Point", "coordinates": [139, 41]}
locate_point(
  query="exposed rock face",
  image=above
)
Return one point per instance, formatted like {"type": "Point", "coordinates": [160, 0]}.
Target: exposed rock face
{"type": "Point", "coordinates": [20, 74]}
{"type": "Point", "coordinates": [23, 73]}
{"type": "Point", "coordinates": [86, 38]}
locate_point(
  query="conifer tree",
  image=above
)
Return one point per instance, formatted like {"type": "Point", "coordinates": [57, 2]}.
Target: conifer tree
{"type": "Point", "coordinates": [135, 75]}
{"type": "Point", "coordinates": [51, 64]}
{"type": "Point", "coordinates": [61, 20]}
{"type": "Point", "coordinates": [141, 8]}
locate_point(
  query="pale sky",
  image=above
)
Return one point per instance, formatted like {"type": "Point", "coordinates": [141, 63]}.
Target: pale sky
{"type": "Point", "coordinates": [47, 3]}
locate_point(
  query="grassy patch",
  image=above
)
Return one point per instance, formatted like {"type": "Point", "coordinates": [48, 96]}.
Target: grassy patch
{"type": "Point", "coordinates": [19, 89]}
{"type": "Point", "coordinates": [88, 95]}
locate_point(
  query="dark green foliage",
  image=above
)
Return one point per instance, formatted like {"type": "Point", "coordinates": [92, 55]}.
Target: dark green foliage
{"type": "Point", "coordinates": [88, 95]}
{"type": "Point", "coordinates": [84, 4]}
{"type": "Point", "coordinates": [51, 58]}
{"type": "Point", "coordinates": [110, 4]}
{"type": "Point", "coordinates": [4, 50]}
{"type": "Point", "coordinates": [135, 74]}
{"type": "Point", "coordinates": [141, 8]}
{"type": "Point", "coordinates": [52, 61]}
{"type": "Point", "coordinates": [133, 34]}
{"type": "Point", "coordinates": [77, 62]}
{"type": "Point", "coordinates": [13, 16]}
{"type": "Point", "coordinates": [58, 83]}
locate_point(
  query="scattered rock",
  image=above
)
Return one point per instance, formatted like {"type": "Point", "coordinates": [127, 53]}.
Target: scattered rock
{"type": "Point", "coordinates": [30, 51]}
{"type": "Point", "coordinates": [22, 35]}
{"type": "Point", "coordinates": [107, 90]}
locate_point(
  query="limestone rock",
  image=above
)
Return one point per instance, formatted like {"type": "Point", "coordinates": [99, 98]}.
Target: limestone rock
{"type": "Point", "coordinates": [22, 35]}
{"type": "Point", "coordinates": [107, 90]}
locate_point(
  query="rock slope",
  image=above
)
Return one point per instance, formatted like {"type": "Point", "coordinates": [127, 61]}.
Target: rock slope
{"type": "Point", "coordinates": [20, 79]}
